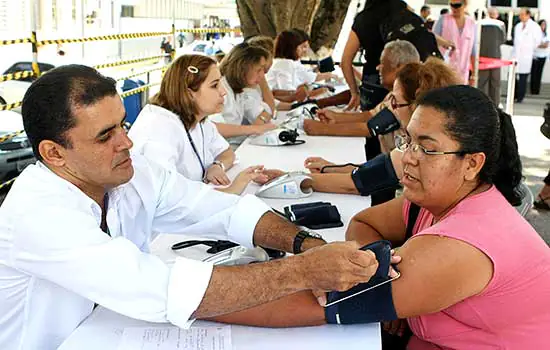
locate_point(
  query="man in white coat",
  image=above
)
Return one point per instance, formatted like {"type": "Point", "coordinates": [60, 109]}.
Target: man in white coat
{"type": "Point", "coordinates": [527, 37]}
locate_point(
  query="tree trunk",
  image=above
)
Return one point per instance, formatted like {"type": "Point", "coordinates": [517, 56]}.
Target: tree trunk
{"type": "Point", "coordinates": [323, 19]}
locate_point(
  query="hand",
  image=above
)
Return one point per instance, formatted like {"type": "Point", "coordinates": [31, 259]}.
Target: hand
{"type": "Point", "coordinates": [254, 173]}
{"type": "Point", "coordinates": [301, 93]}
{"type": "Point", "coordinates": [337, 266]}
{"type": "Point", "coordinates": [321, 295]}
{"type": "Point", "coordinates": [272, 173]}
{"type": "Point", "coordinates": [326, 116]}
{"type": "Point", "coordinates": [262, 128]}
{"type": "Point", "coordinates": [314, 127]}
{"type": "Point", "coordinates": [319, 92]}
{"type": "Point", "coordinates": [354, 102]}
{"type": "Point", "coordinates": [472, 81]}
{"type": "Point", "coordinates": [396, 327]}
{"type": "Point", "coordinates": [216, 176]}
{"type": "Point", "coordinates": [315, 164]}
{"type": "Point", "coordinates": [449, 45]}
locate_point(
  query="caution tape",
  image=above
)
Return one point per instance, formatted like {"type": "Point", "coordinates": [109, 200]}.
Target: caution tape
{"type": "Point", "coordinates": [140, 73]}
{"type": "Point", "coordinates": [10, 106]}
{"type": "Point", "coordinates": [209, 30]}
{"type": "Point", "coordinates": [15, 41]}
{"type": "Point", "coordinates": [126, 62]}
{"type": "Point", "coordinates": [138, 90]}
{"type": "Point", "coordinates": [11, 136]}
{"type": "Point", "coordinates": [103, 37]}
{"type": "Point", "coordinates": [7, 183]}
{"type": "Point", "coordinates": [17, 75]}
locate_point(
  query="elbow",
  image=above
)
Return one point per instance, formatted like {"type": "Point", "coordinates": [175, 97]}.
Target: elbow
{"type": "Point", "coordinates": [350, 231]}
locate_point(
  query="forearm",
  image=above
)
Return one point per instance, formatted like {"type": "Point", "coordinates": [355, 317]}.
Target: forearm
{"type": "Point", "coordinates": [323, 76]}
{"type": "Point", "coordinates": [262, 118]}
{"type": "Point", "coordinates": [227, 157]}
{"type": "Point", "coordinates": [334, 183]}
{"type": "Point", "coordinates": [285, 95]}
{"type": "Point", "coordinates": [338, 169]}
{"type": "Point", "coordinates": [352, 117]}
{"type": "Point", "coordinates": [272, 231]}
{"type": "Point", "coordinates": [232, 130]}
{"type": "Point", "coordinates": [342, 129]}
{"type": "Point", "coordinates": [296, 310]}
{"type": "Point", "coordinates": [347, 70]}
{"type": "Point", "coordinates": [251, 285]}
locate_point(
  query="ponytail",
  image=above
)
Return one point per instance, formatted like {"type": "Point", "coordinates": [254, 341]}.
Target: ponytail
{"type": "Point", "coordinates": [508, 173]}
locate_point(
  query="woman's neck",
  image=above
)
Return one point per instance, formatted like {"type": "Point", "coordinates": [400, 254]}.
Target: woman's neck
{"type": "Point", "coordinates": [440, 214]}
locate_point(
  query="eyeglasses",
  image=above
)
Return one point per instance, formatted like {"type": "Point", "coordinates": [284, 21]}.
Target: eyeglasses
{"type": "Point", "coordinates": [404, 143]}
{"type": "Point", "coordinates": [456, 5]}
{"type": "Point", "coordinates": [395, 105]}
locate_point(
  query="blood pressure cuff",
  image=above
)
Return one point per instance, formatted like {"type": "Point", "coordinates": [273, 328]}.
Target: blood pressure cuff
{"type": "Point", "coordinates": [383, 123]}
{"type": "Point", "coordinates": [315, 215]}
{"type": "Point", "coordinates": [371, 95]}
{"type": "Point", "coordinates": [374, 305]}
{"type": "Point", "coordinates": [375, 175]}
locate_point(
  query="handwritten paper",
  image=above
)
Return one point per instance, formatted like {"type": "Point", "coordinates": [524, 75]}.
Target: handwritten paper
{"type": "Point", "coordinates": [174, 338]}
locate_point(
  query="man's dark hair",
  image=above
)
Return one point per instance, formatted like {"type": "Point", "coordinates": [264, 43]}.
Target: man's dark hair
{"type": "Point", "coordinates": [424, 8]}
{"type": "Point", "coordinates": [444, 11]}
{"type": "Point", "coordinates": [49, 103]}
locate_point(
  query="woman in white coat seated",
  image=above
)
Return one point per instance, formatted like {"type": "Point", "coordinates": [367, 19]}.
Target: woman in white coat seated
{"type": "Point", "coordinates": [173, 129]}
{"type": "Point", "coordinates": [288, 76]}
{"type": "Point", "coordinates": [244, 114]}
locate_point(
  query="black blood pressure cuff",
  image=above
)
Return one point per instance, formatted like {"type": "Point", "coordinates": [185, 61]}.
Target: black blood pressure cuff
{"type": "Point", "coordinates": [375, 175]}
{"type": "Point", "coordinates": [375, 305]}
{"type": "Point", "coordinates": [315, 215]}
{"type": "Point", "coordinates": [383, 123]}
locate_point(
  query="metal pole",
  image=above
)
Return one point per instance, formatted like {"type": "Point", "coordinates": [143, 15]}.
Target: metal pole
{"type": "Point", "coordinates": [511, 88]}
{"type": "Point", "coordinates": [480, 14]}
{"type": "Point", "coordinates": [34, 15]}
{"type": "Point", "coordinates": [173, 53]}
{"type": "Point", "coordinates": [510, 24]}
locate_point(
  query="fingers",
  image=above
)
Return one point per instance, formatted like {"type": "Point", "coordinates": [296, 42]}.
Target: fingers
{"type": "Point", "coordinates": [321, 296]}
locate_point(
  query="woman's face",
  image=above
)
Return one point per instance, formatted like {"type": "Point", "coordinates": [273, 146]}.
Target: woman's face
{"type": "Point", "coordinates": [398, 102]}
{"type": "Point", "coordinates": [209, 98]}
{"type": "Point", "coordinates": [256, 73]}
{"type": "Point", "coordinates": [302, 49]}
{"type": "Point", "coordinates": [543, 25]}
{"type": "Point", "coordinates": [433, 181]}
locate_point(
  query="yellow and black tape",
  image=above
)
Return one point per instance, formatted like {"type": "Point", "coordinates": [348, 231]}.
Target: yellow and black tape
{"type": "Point", "coordinates": [15, 41]}
{"type": "Point", "coordinates": [17, 75]}
{"type": "Point", "coordinates": [140, 73]}
{"type": "Point", "coordinates": [7, 183]}
{"type": "Point", "coordinates": [10, 106]}
{"type": "Point", "coordinates": [138, 90]}
{"type": "Point", "coordinates": [126, 62]}
{"type": "Point", "coordinates": [103, 37]}
{"type": "Point", "coordinates": [11, 136]}
{"type": "Point", "coordinates": [209, 30]}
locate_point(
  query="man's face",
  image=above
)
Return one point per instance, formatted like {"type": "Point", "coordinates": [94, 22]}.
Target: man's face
{"type": "Point", "coordinates": [523, 16]}
{"type": "Point", "coordinates": [426, 13]}
{"type": "Point", "coordinates": [387, 71]}
{"type": "Point", "coordinates": [100, 152]}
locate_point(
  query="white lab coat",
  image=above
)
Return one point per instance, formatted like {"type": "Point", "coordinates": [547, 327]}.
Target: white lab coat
{"type": "Point", "coordinates": [525, 43]}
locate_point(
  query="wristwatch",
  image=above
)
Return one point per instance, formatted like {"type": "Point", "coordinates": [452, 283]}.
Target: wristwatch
{"type": "Point", "coordinates": [220, 164]}
{"type": "Point", "coordinates": [300, 237]}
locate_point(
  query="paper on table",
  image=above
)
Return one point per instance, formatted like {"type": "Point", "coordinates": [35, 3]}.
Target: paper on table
{"type": "Point", "coordinates": [172, 338]}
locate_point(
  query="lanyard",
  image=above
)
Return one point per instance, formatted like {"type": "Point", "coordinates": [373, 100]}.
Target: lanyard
{"type": "Point", "coordinates": [195, 148]}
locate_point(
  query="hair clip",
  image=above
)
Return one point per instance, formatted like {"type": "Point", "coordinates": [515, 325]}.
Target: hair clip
{"type": "Point", "coordinates": [193, 69]}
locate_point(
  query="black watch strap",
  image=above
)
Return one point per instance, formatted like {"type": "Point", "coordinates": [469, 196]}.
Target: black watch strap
{"type": "Point", "coordinates": [299, 240]}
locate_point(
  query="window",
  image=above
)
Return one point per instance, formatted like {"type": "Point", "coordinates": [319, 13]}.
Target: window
{"type": "Point", "coordinates": [502, 3]}
{"type": "Point", "coordinates": [528, 3]}
{"type": "Point", "coordinates": [127, 11]}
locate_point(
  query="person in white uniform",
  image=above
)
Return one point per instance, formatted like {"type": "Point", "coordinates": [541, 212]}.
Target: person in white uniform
{"type": "Point", "coordinates": [75, 229]}
{"type": "Point", "coordinates": [527, 37]}
{"type": "Point", "coordinates": [243, 115]}
{"type": "Point", "coordinates": [173, 130]}
{"type": "Point", "coordinates": [287, 74]}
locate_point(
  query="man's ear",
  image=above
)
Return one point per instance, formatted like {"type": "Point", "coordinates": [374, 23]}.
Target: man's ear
{"type": "Point", "coordinates": [52, 153]}
{"type": "Point", "coordinates": [474, 165]}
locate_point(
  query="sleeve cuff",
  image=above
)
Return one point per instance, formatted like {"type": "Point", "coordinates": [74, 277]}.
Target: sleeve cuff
{"type": "Point", "coordinates": [249, 209]}
{"type": "Point", "coordinates": [187, 285]}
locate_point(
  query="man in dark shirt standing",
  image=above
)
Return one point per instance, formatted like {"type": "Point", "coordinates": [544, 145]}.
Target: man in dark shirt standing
{"type": "Point", "coordinates": [492, 36]}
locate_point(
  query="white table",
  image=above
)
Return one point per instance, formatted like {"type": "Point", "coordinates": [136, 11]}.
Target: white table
{"type": "Point", "coordinates": [103, 329]}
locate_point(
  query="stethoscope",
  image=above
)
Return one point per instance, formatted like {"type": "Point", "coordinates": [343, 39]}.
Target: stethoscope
{"type": "Point", "coordinates": [195, 148]}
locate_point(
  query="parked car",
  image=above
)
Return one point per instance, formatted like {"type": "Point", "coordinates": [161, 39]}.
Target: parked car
{"type": "Point", "coordinates": [12, 91]}
{"type": "Point", "coordinates": [15, 153]}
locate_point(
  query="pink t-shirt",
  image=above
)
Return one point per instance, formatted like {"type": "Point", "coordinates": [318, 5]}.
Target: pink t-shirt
{"type": "Point", "coordinates": [513, 312]}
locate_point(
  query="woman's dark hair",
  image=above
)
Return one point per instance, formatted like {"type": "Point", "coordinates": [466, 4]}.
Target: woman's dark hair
{"type": "Point", "coordinates": [475, 123]}
{"type": "Point", "coordinates": [302, 33]}
{"type": "Point", "coordinates": [49, 103]}
{"type": "Point", "coordinates": [540, 24]}
{"type": "Point", "coordinates": [286, 44]}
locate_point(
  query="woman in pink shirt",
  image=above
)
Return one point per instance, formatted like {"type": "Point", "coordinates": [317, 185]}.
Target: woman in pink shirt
{"type": "Point", "coordinates": [474, 274]}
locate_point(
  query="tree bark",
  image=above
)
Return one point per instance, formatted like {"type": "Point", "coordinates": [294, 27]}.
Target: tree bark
{"type": "Point", "coordinates": [323, 19]}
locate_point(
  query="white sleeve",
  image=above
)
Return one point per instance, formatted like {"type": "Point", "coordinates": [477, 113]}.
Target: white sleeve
{"type": "Point", "coordinates": [163, 145]}
{"type": "Point", "coordinates": [191, 207]}
{"type": "Point", "coordinates": [71, 251]}
{"type": "Point", "coordinates": [253, 105]}
{"type": "Point", "coordinates": [217, 144]}
{"type": "Point", "coordinates": [282, 80]}
{"type": "Point", "coordinates": [304, 75]}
